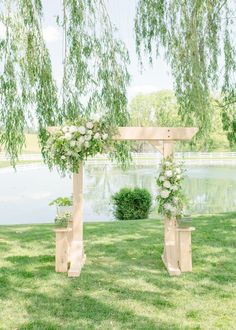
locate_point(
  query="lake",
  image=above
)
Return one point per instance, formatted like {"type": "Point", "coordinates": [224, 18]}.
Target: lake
{"type": "Point", "coordinates": [25, 194]}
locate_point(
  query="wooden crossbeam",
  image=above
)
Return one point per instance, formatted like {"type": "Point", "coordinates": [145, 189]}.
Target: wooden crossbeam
{"type": "Point", "coordinates": [151, 133]}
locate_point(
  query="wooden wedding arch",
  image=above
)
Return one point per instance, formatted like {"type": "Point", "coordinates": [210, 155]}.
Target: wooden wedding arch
{"type": "Point", "coordinates": [177, 256]}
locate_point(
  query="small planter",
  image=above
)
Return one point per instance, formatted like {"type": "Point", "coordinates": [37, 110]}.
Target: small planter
{"type": "Point", "coordinates": [61, 210]}
{"type": "Point", "coordinates": [62, 249]}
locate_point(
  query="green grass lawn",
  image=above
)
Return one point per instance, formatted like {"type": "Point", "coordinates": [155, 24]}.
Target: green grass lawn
{"type": "Point", "coordinates": [123, 284]}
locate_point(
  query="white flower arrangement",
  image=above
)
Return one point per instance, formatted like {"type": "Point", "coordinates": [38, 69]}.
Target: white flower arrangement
{"type": "Point", "coordinates": [73, 143]}
{"type": "Point", "coordinates": [170, 198]}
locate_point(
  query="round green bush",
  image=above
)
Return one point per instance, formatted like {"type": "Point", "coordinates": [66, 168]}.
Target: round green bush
{"type": "Point", "coordinates": [132, 204]}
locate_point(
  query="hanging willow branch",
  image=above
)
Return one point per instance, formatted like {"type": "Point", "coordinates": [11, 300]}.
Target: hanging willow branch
{"type": "Point", "coordinates": [27, 89]}
{"type": "Point", "coordinates": [95, 76]}
{"type": "Point", "coordinates": [193, 34]}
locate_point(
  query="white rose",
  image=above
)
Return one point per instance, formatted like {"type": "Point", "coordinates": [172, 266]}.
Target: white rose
{"type": "Point", "coordinates": [97, 136]}
{"type": "Point", "coordinates": [174, 188]}
{"type": "Point", "coordinates": [167, 206]}
{"type": "Point", "coordinates": [165, 193]}
{"type": "Point", "coordinates": [73, 143]}
{"type": "Point", "coordinates": [89, 125]}
{"type": "Point", "coordinates": [63, 157]}
{"type": "Point", "coordinates": [168, 174]}
{"type": "Point", "coordinates": [73, 129]}
{"type": "Point", "coordinates": [168, 163]}
{"type": "Point", "coordinates": [105, 136]}
{"type": "Point", "coordinates": [86, 144]}
{"type": "Point", "coordinates": [161, 178]}
{"type": "Point", "coordinates": [167, 184]}
{"type": "Point", "coordinates": [65, 129]}
{"type": "Point", "coordinates": [68, 136]}
{"type": "Point", "coordinates": [82, 130]}
{"type": "Point", "coordinates": [178, 177]}
{"type": "Point", "coordinates": [89, 132]}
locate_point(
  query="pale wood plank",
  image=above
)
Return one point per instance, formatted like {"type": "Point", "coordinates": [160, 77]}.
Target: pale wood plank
{"type": "Point", "coordinates": [151, 133]}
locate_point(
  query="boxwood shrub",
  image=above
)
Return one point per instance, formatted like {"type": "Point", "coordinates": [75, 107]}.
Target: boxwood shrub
{"type": "Point", "coordinates": [132, 204]}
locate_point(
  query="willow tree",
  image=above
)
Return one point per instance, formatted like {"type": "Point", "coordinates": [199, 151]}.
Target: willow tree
{"type": "Point", "coordinates": [27, 89]}
{"type": "Point", "coordinates": [95, 67]}
{"type": "Point", "coordinates": [196, 37]}
{"type": "Point", "coordinates": [95, 71]}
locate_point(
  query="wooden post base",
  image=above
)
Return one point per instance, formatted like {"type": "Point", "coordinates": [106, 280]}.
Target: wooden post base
{"type": "Point", "coordinates": [77, 258]}
{"type": "Point", "coordinates": [185, 248]}
{"type": "Point", "coordinates": [173, 271]}
{"type": "Point", "coordinates": [62, 246]}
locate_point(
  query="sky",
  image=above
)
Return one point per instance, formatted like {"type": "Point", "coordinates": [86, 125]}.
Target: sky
{"type": "Point", "coordinates": [122, 13]}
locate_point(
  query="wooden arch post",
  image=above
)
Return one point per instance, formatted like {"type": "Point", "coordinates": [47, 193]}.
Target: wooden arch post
{"type": "Point", "coordinates": [163, 139]}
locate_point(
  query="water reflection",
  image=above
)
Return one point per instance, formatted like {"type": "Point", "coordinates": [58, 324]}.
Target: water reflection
{"type": "Point", "coordinates": [25, 194]}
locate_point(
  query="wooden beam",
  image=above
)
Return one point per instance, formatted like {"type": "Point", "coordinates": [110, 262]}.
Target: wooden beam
{"type": "Point", "coordinates": [156, 133]}
{"type": "Point", "coordinates": [151, 133]}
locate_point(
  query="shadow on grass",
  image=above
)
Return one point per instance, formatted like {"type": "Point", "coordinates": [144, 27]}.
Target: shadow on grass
{"type": "Point", "coordinates": [124, 284]}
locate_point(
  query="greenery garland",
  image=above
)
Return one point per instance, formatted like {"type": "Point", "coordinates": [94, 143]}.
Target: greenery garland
{"type": "Point", "coordinates": [171, 198]}
{"type": "Point", "coordinates": [193, 34]}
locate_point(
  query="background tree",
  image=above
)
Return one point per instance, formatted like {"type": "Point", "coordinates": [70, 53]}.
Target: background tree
{"type": "Point", "coordinates": [161, 109]}
{"type": "Point", "coordinates": [195, 35]}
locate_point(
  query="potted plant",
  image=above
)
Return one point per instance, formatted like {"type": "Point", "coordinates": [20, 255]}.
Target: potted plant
{"type": "Point", "coordinates": [63, 204]}
{"type": "Point", "coordinates": [61, 221]}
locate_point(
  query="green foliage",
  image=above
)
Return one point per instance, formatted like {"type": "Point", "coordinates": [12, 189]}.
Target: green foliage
{"type": "Point", "coordinates": [161, 109]}
{"type": "Point", "coordinates": [62, 220]}
{"type": "Point", "coordinates": [193, 34]}
{"type": "Point", "coordinates": [62, 201]}
{"type": "Point", "coordinates": [95, 72]}
{"type": "Point", "coordinates": [26, 84]}
{"type": "Point", "coordinates": [132, 204]}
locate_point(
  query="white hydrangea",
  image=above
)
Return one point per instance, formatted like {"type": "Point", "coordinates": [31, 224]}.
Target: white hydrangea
{"type": "Point", "coordinates": [82, 130]}
{"type": "Point", "coordinates": [167, 184]}
{"type": "Point", "coordinates": [65, 129]}
{"type": "Point", "coordinates": [68, 136]}
{"type": "Point", "coordinates": [89, 125]}
{"type": "Point", "coordinates": [161, 178]}
{"type": "Point", "coordinates": [168, 173]}
{"type": "Point", "coordinates": [73, 129]}
{"type": "Point", "coordinates": [165, 193]}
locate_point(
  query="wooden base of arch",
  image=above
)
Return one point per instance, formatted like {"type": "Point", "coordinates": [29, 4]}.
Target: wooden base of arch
{"type": "Point", "coordinates": [177, 255]}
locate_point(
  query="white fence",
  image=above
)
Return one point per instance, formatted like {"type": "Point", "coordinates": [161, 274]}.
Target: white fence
{"type": "Point", "coordinates": [191, 158]}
